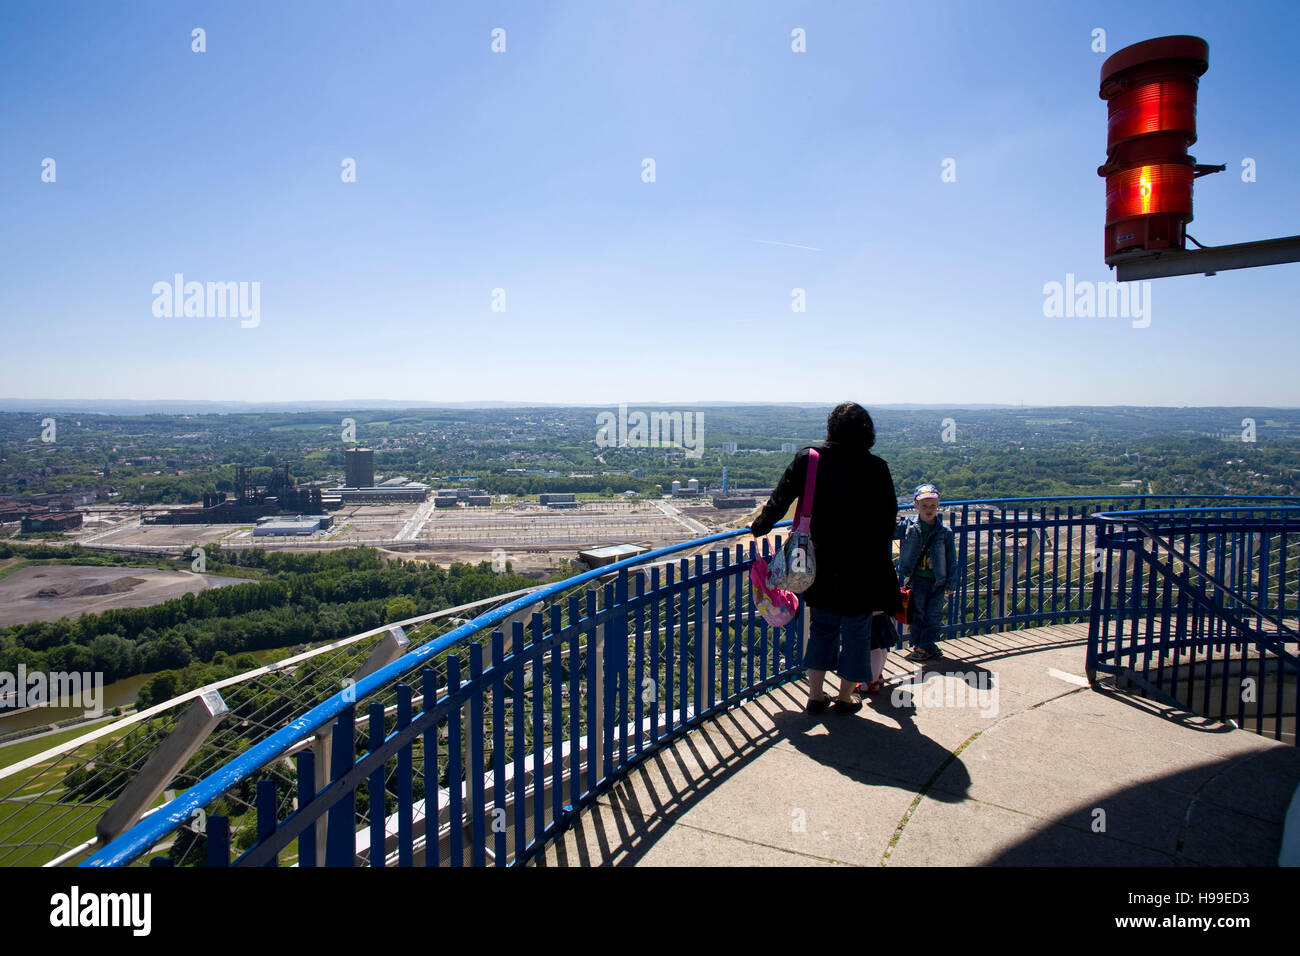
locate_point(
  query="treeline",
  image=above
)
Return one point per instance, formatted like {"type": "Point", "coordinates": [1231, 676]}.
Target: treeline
{"type": "Point", "coordinates": [530, 485]}
{"type": "Point", "coordinates": [76, 554]}
{"type": "Point", "coordinates": [302, 599]}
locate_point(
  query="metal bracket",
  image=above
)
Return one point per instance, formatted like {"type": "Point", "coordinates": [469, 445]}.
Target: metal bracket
{"type": "Point", "coordinates": [1212, 259]}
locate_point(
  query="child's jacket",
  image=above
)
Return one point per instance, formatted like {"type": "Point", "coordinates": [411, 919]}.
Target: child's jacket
{"type": "Point", "coordinates": [942, 552]}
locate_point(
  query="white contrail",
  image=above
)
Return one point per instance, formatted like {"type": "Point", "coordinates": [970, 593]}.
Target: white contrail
{"type": "Point", "coordinates": [792, 245]}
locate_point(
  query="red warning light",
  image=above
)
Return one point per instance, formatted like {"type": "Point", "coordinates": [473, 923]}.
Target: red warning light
{"type": "Point", "coordinates": [1150, 89]}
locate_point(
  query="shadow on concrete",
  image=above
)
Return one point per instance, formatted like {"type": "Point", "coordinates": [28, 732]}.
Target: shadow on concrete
{"type": "Point", "coordinates": [638, 826]}
{"type": "Point", "coordinates": [1230, 812]}
{"type": "Point", "coordinates": [629, 820]}
{"type": "Point", "coordinates": [1161, 706]}
{"type": "Point", "coordinates": [869, 751]}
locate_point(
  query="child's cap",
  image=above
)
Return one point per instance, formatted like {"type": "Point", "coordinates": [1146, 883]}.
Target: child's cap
{"type": "Point", "coordinates": [926, 490]}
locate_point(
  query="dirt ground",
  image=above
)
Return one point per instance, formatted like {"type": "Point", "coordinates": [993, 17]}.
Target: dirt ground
{"type": "Point", "coordinates": [49, 592]}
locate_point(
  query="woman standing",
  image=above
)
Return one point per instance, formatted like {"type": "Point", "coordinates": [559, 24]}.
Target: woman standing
{"type": "Point", "coordinates": [853, 523]}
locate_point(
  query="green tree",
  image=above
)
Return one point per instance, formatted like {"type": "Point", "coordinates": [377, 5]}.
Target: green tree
{"type": "Point", "coordinates": [400, 608]}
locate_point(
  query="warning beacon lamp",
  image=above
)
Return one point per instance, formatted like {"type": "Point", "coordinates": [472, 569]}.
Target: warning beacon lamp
{"type": "Point", "coordinates": [1150, 91]}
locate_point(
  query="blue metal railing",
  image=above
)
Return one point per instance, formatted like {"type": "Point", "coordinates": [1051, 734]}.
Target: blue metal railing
{"type": "Point", "coordinates": [494, 763]}
{"type": "Point", "coordinates": [1198, 606]}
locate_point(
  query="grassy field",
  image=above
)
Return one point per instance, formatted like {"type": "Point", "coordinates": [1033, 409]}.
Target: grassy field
{"type": "Point", "coordinates": [12, 753]}
{"type": "Point", "coordinates": [29, 816]}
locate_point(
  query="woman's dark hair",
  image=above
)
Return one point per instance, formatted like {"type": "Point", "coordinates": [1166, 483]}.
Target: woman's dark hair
{"type": "Point", "coordinates": [851, 424]}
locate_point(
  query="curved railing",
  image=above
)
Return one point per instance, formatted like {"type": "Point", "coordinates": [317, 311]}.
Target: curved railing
{"type": "Point", "coordinates": [1199, 607]}
{"type": "Point", "coordinates": [53, 803]}
{"type": "Point", "coordinates": [495, 762]}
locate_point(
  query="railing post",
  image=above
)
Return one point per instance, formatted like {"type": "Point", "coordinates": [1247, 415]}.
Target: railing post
{"type": "Point", "coordinates": [322, 750]}
{"type": "Point", "coordinates": [1095, 623]}
{"type": "Point", "coordinates": [710, 646]}
{"type": "Point", "coordinates": [596, 725]}
{"type": "Point", "coordinates": [194, 726]}
{"type": "Point", "coordinates": [701, 620]}
{"type": "Point", "coordinates": [619, 694]}
{"type": "Point", "coordinates": [306, 793]}
{"type": "Point", "coordinates": [342, 848]}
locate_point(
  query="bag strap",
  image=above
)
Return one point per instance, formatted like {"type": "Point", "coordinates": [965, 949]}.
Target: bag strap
{"type": "Point", "coordinates": [803, 516]}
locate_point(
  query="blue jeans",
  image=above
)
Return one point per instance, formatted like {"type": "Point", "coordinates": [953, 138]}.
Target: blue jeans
{"type": "Point", "coordinates": [840, 644]}
{"type": "Point", "coordinates": [929, 610]}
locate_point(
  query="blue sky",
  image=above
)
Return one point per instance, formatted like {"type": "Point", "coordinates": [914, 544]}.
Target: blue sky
{"type": "Point", "coordinates": [522, 171]}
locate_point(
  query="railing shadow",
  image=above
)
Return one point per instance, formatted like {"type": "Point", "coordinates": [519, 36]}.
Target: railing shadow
{"type": "Point", "coordinates": [644, 805]}
{"type": "Point", "coordinates": [632, 817]}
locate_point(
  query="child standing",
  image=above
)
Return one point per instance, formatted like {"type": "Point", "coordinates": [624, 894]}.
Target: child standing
{"type": "Point", "coordinates": [927, 563]}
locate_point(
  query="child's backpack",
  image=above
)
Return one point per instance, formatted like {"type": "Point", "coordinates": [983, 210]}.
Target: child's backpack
{"type": "Point", "coordinates": [778, 607]}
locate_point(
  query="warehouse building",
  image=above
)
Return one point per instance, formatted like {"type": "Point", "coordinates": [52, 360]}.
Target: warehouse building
{"type": "Point", "coordinates": [599, 557]}
{"type": "Point", "coordinates": [409, 491]}
{"type": "Point", "coordinates": [460, 494]}
{"type": "Point", "coordinates": [277, 526]}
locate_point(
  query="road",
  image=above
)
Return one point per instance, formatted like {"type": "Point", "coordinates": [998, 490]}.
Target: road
{"type": "Point", "coordinates": [411, 530]}
{"type": "Point", "coordinates": [690, 523]}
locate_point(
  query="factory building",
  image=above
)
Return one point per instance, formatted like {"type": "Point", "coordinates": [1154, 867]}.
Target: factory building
{"type": "Point", "coordinates": [52, 521]}
{"type": "Point", "coordinates": [692, 488]}
{"type": "Point", "coordinates": [734, 501]}
{"type": "Point", "coordinates": [552, 497]}
{"type": "Point", "coordinates": [359, 468]}
{"type": "Point", "coordinates": [17, 511]}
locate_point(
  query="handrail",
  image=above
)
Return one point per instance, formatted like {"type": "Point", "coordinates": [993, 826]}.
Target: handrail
{"type": "Point", "coordinates": [1129, 518]}
{"type": "Point", "coordinates": [1159, 497]}
{"type": "Point", "coordinates": [145, 834]}
{"type": "Point", "coordinates": [114, 726]}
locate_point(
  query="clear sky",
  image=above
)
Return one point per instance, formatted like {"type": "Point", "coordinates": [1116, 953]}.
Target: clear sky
{"type": "Point", "coordinates": [523, 171]}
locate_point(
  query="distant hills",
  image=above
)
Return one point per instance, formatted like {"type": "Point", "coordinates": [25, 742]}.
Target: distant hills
{"type": "Point", "coordinates": [128, 406]}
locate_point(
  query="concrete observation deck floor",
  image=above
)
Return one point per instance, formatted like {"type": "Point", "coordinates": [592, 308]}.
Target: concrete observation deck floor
{"type": "Point", "coordinates": [1008, 758]}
